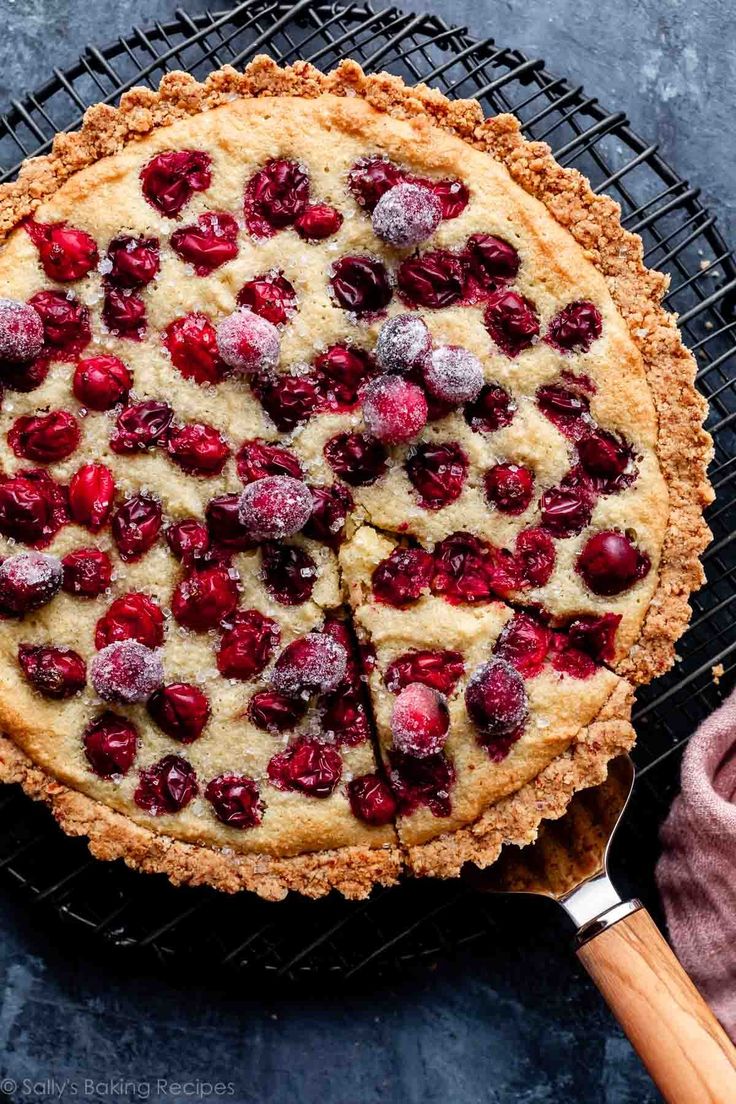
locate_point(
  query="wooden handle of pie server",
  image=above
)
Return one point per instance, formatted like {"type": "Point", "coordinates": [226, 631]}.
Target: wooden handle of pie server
{"type": "Point", "coordinates": [686, 1051]}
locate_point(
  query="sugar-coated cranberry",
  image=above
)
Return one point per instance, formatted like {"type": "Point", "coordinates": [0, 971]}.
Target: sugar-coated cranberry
{"type": "Point", "coordinates": [132, 616]}
{"type": "Point", "coordinates": [167, 786]}
{"type": "Point", "coordinates": [192, 345]}
{"type": "Point", "coordinates": [512, 321]}
{"type": "Point", "coordinates": [403, 343]}
{"type": "Point", "coordinates": [275, 507]}
{"type": "Point", "coordinates": [607, 461]}
{"type": "Point", "coordinates": [491, 263]}
{"type": "Point", "coordinates": [225, 527]}
{"type": "Point", "coordinates": [169, 179]}
{"type": "Point", "coordinates": [21, 332]}
{"type": "Point", "coordinates": [453, 196]}
{"type": "Point", "coordinates": [101, 382]}
{"type": "Point", "coordinates": [419, 782]}
{"type": "Point", "coordinates": [339, 372]}
{"type": "Point", "coordinates": [136, 525]}
{"type": "Point", "coordinates": [497, 705]}
{"type": "Point", "coordinates": [247, 644]}
{"type": "Point", "coordinates": [453, 374]}
{"type": "Point", "coordinates": [596, 636]}
{"type": "Point", "coordinates": [371, 800]}
{"type": "Point", "coordinates": [437, 472]}
{"type": "Point", "coordinates": [509, 487]}
{"type": "Point", "coordinates": [247, 342]}
{"type": "Point", "coordinates": [44, 438]}
{"type": "Point", "coordinates": [275, 197]}
{"type": "Point", "coordinates": [256, 459]}
{"type": "Point", "coordinates": [124, 313]}
{"type": "Point", "coordinates": [135, 261]}
{"type": "Point", "coordinates": [271, 297]}
{"type": "Point", "coordinates": [87, 572]}
{"type": "Point", "coordinates": [32, 507]}
{"type": "Point", "coordinates": [205, 598]}
{"type": "Point", "coordinates": [55, 672]}
{"type": "Point", "coordinates": [419, 721]}
{"type": "Point", "coordinates": [307, 767]}
{"type": "Point", "coordinates": [464, 569]}
{"type": "Point", "coordinates": [180, 710]}
{"type": "Point", "coordinates": [28, 580]}
{"type": "Point", "coordinates": [141, 426]}
{"type": "Point", "coordinates": [289, 400]}
{"type": "Point", "coordinates": [534, 553]}
{"type": "Point", "coordinates": [360, 284]}
{"type": "Point", "coordinates": [406, 215]}
{"type": "Point", "coordinates": [371, 177]}
{"type": "Point", "coordinates": [198, 449]}
{"type": "Point", "coordinates": [110, 745]}
{"type": "Point", "coordinates": [311, 664]}
{"type": "Point", "coordinates": [91, 496]}
{"type": "Point", "coordinates": [210, 242]}
{"type": "Point", "coordinates": [432, 280]}
{"type": "Point", "coordinates": [317, 222]}
{"type": "Point", "coordinates": [575, 327]}
{"type": "Point", "coordinates": [289, 573]}
{"type": "Point", "coordinates": [610, 563]}
{"type": "Point", "coordinates": [344, 719]}
{"type": "Point", "coordinates": [567, 410]}
{"type": "Point", "coordinates": [188, 539]}
{"type": "Point", "coordinates": [330, 507]}
{"type": "Point", "coordinates": [394, 409]}
{"type": "Point", "coordinates": [493, 409]}
{"type": "Point", "coordinates": [65, 252]}
{"type": "Point", "coordinates": [126, 671]}
{"type": "Point", "coordinates": [275, 712]}
{"type": "Point", "coordinates": [357, 459]}
{"type": "Point", "coordinates": [439, 670]}
{"type": "Point", "coordinates": [235, 800]}
{"type": "Point", "coordinates": [567, 508]}
{"type": "Point", "coordinates": [65, 323]}
{"type": "Point", "coordinates": [524, 643]}
{"type": "Point", "coordinates": [402, 577]}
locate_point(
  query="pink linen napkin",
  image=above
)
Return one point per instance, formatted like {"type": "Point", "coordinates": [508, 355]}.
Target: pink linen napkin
{"type": "Point", "coordinates": [696, 874]}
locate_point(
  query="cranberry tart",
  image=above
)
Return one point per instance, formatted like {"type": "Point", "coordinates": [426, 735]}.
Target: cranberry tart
{"type": "Point", "coordinates": [352, 479]}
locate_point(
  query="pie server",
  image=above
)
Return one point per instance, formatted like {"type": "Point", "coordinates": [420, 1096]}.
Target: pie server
{"type": "Point", "coordinates": [686, 1051]}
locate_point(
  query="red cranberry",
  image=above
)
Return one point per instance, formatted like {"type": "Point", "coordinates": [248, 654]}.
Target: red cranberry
{"type": "Point", "coordinates": [452, 194]}
{"type": "Point", "coordinates": [406, 215]}
{"type": "Point", "coordinates": [311, 664]}
{"type": "Point", "coordinates": [357, 459]}
{"type": "Point", "coordinates": [464, 569]}
{"type": "Point", "coordinates": [607, 461]}
{"type": "Point", "coordinates": [91, 495]}
{"type": "Point", "coordinates": [419, 721]}
{"type": "Point", "coordinates": [340, 372]}
{"type": "Point", "coordinates": [596, 636]}
{"type": "Point", "coordinates": [360, 284]}
{"type": "Point", "coordinates": [28, 580]}
{"type": "Point", "coordinates": [289, 573]}
{"type": "Point", "coordinates": [275, 507]}
{"type": "Point", "coordinates": [524, 643]}
{"type": "Point", "coordinates": [394, 409]}
{"type": "Point", "coordinates": [247, 645]}
{"type": "Point", "coordinates": [492, 410]}
{"type": "Point", "coordinates": [568, 660]}
{"type": "Point", "coordinates": [87, 572]}
{"type": "Point", "coordinates": [509, 487]}
{"type": "Point", "coordinates": [235, 800]}
{"type": "Point", "coordinates": [437, 472]}
{"type": "Point", "coordinates": [101, 382]}
{"type": "Point", "coordinates": [371, 800]}
{"type": "Point", "coordinates": [167, 786]}
{"type": "Point", "coordinates": [432, 279]}
{"type": "Point", "coordinates": [344, 719]}
{"type": "Point", "coordinates": [330, 508]}
{"type": "Point", "coordinates": [453, 374]}
{"type": "Point", "coordinates": [274, 712]}
{"type": "Point", "coordinates": [132, 616]}
{"type": "Point", "coordinates": [205, 598]}
{"type": "Point", "coordinates": [212, 241]}
{"type": "Point", "coordinates": [416, 782]}
{"type": "Point", "coordinates": [65, 323]}
{"type": "Point", "coordinates": [169, 179]}
{"type": "Point", "coordinates": [575, 328]}
{"type": "Point", "coordinates": [491, 261]}
{"type": "Point", "coordinates": [318, 222]}
{"type": "Point", "coordinates": [271, 297]}
{"type": "Point", "coordinates": [136, 525]}
{"type": "Point", "coordinates": [534, 552]}
{"type": "Point", "coordinates": [180, 710]}
{"type": "Point", "coordinates": [403, 343]}
{"type": "Point", "coordinates": [135, 261]}
{"type": "Point", "coordinates": [610, 563]}
{"type": "Point", "coordinates": [24, 377]}
{"type": "Point", "coordinates": [497, 704]}
{"type": "Point", "coordinates": [192, 344]}
{"type": "Point", "coordinates": [225, 527]}
{"type": "Point", "coordinates": [275, 197]}
{"type": "Point", "coordinates": [512, 321]}
{"type": "Point", "coordinates": [256, 459]}
{"type": "Point", "coordinates": [65, 252]}
{"type": "Point", "coordinates": [32, 507]}
{"type": "Point", "coordinates": [307, 767]}
{"type": "Point", "coordinates": [402, 577]}
{"type": "Point", "coordinates": [439, 670]}
{"type": "Point", "coordinates": [126, 671]}
{"type": "Point", "coordinates": [110, 744]}
{"type": "Point", "coordinates": [370, 178]}
{"type": "Point", "coordinates": [124, 314]}
{"type": "Point", "coordinates": [55, 672]}
{"type": "Point", "coordinates": [567, 410]}
{"type": "Point", "coordinates": [567, 508]}
{"type": "Point", "coordinates": [44, 438]}
{"type": "Point", "coordinates": [248, 343]}
{"type": "Point", "coordinates": [188, 540]}
{"type": "Point", "coordinates": [198, 449]}
{"type": "Point", "coordinates": [289, 400]}
{"type": "Point", "coordinates": [21, 332]}
{"type": "Point", "coordinates": [141, 426]}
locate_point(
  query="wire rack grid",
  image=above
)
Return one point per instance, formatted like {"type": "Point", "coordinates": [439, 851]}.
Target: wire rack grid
{"type": "Point", "coordinates": [335, 938]}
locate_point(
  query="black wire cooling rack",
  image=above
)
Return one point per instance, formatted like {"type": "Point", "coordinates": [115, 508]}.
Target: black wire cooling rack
{"type": "Point", "coordinates": [333, 937]}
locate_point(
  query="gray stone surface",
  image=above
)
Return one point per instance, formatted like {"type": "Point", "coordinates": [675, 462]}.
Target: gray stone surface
{"type": "Point", "coordinates": [515, 1023]}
